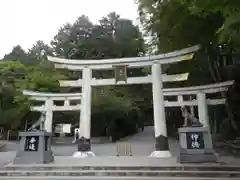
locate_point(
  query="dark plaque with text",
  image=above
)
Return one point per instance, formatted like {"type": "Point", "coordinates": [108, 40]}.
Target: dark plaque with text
{"type": "Point", "coordinates": [195, 140]}
{"type": "Point", "coordinates": [31, 143]}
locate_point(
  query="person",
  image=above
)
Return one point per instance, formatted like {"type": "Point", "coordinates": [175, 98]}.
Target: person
{"type": "Point", "coordinates": [76, 135]}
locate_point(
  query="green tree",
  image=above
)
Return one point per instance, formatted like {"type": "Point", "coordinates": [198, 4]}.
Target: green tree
{"type": "Point", "coordinates": [17, 54]}
{"type": "Point", "coordinates": [113, 37]}
{"type": "Point", "coordinates": [177, 24]}
{"type": "Point", "coordinates": [230, 10]}
{"type": "Point", "coordinates": [174, 27]}
{"type": "Point", "coordinates": [39, 51]}
{"type": "Point", "coordinates": [16, 77]}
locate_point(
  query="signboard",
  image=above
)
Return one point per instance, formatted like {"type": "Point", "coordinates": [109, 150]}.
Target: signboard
{"type": "Point", "coordinates": [195, 140]}
{"type": "Point", "coordinates": [31, 143]}
{"type": "Point", "coordinates": [62, 128]}
{"type": "Point", "coordinates": [66, 128]}
{"type": "Point", "coordinates": [121, 73]}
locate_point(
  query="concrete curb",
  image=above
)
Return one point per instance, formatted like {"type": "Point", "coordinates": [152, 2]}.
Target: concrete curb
{"type": "Point", "coordinates": [113, 178]}
{"type": "Point", "coordinates": [119, 173]}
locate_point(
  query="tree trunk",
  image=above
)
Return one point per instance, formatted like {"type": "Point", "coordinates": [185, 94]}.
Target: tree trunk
{"type": "Point", "coordinates": [216, 76]}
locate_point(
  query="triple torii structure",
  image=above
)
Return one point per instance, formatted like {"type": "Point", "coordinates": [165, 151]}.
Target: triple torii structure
{"type": "Point", "coordinates": [49, 107]}
{"type": "Point", "coordinates": [156, 78]}
{"type": "Point", "coordinates": [120, 66]}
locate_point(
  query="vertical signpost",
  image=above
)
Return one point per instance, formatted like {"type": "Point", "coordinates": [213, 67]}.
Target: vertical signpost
{"type": "Point", "coordinates": [120, 73]}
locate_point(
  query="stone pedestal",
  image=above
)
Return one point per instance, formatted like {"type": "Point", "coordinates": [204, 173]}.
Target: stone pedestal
{"type": "Point", "coordinates": [84, 148]}
{"type": "Point", "coordinates": [35, 148]}
{"type": "Point", "coordinates": [196, 145]}
{"type": "Point", "coordinates": [162, 147]}
{"type": "Point", "coordinates": [83, 144]}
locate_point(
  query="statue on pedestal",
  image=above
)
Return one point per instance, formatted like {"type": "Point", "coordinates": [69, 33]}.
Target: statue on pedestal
{"type": "Point", "coordinates": [195, 141]}
{"type": "Point", "coordinates": [35, 144]}
{"type": "Point", "coordinates": [39, 123]}
{"type": "Point", "coordinates": [189, 119]}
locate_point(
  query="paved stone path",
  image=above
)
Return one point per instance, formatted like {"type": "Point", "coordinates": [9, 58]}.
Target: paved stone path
{"type": "Point", "coordinates": [113, 161]}
{"type": "Point", "coordinates": [142, 145]}
{"type": "Point", "coordinates": [110, 178]}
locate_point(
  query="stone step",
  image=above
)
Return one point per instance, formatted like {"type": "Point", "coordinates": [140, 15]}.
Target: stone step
{"type": "Point", "coordinates": [127, 168]}
{"type": "Point", "coordinates": [112, 178]}
{"type": "Point", "coordinates": [123, 173]}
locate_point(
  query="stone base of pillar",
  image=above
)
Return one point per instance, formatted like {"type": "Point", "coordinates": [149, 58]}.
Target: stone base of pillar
{"type": "Point", "coordinates": [81, 154]}
{"type": "Point", "coordinates": [161, 154]}
{"type": "Point", "coordinates": [83, 144]}
{"type": "Point", "coordinates": [161, 143]}
{"type": "Point", "coordinates": [84, 148]}
{"type": "Point", "coordinates": [162, 147]}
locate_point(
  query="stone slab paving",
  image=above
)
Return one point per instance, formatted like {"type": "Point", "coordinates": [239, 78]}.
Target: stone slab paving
{"type": "Point", "coordinates": [107, 161]}
{"type": "Point", "coordinates": [6, 157]}
{"type": "Point", "coordinates": [112, 178]}
{"type": "Point", "coordinates": [142, 145]}
{"type": "Point", "coordinates": [112, 161]}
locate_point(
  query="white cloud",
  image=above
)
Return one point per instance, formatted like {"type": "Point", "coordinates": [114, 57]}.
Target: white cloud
{"type": "Point", "coordinates": [26, 21]}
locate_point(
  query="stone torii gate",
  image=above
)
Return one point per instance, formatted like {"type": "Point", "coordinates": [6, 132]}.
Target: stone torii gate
{"type": "Point", "coordinates": [120, 66]}
{"type": "Point", "coordinates": [49, 107]}
{"type": "Point", "coordinates": [198, 98]}
{"type": "Point", "coordinates": [156, 78]}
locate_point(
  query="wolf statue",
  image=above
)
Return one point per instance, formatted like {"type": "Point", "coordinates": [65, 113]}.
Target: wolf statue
{"type": "Point", "coordinates": [189, 119]}
{"type": "Point", "coordinates": [39, 123]}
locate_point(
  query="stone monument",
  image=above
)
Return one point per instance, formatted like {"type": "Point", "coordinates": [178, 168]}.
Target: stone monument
{"type": "Point", "coordinates": [35, 145]}
{"type": "Point", "coordinates": [195, 141]}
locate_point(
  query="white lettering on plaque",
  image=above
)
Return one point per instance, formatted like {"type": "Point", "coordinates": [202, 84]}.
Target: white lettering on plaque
{"type": "Point", "coordinates": [195, 143]}
{"type": "Point", "coordinates": [31, 144]}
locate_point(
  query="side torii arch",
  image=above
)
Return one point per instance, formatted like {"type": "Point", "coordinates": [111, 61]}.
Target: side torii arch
{"type": "Point", "coordinates": [49, 107]}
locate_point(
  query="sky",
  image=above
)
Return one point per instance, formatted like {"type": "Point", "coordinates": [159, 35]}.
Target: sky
{"type": "Point", "coordinates": [26, 21]}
